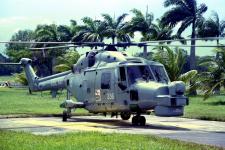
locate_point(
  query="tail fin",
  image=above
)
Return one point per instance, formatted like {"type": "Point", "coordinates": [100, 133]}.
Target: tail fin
{"type": "Point", "coordinates": [30, 74]}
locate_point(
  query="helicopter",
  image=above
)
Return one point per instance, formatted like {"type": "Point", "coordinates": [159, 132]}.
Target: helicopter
{"type": "Point", "coordinates": [109, 81]}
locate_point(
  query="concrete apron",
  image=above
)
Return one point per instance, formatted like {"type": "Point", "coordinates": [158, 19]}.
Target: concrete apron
{"type": "Point", "coordinates": [190, 130]}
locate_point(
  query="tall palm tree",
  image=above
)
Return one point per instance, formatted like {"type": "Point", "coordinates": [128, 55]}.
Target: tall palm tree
{"type": "Point", "coordinates": [163, 32]}
{"type": "Point", "coordinates": [64, 33]}
{"type": "Point", "coordinates": [91, 31]}
{"type": "Point", "coordinates": [47, 33]}
{"type": "Point", "coordinates": [188, 13]}
{"type": "Point", "coordinates": [212, 27]}
{"type": "Point", "coordinates": [143, 23]}
{"type": "Point", "coordinates": [73, 27]}
{"type": "Point", "coordinates": [115, 28]}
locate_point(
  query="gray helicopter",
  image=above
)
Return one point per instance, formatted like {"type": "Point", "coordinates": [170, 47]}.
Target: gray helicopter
{"type": "Point", "coordinates": [111, 82]}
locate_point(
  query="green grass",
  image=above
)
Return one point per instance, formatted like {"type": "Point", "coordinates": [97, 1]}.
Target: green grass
{"type": "Point", "coordinates": [7, 78]}
{"type": "Point", "coordinates": [210, 109]}
{"type": "Point", "coordinates": [18, 101]}
{"type": "Point", "coordinates": [11, 140]}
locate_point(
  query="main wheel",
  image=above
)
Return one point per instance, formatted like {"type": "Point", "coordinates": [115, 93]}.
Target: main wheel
{"type": "Point", "coordinates": [142, 120]}
{"type": "Point", "coordinates": [135, 120]}
{"type": "Point", "coordinates": [64, 116]}
{"type": "Point", "coordinates": [125, 115]}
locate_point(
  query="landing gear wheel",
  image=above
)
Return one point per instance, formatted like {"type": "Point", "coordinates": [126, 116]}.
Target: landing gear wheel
{"type": "Point", "coordinates": [135, 121]}
{"type": "Point", "coordinates": [64, 116]}
{"type": "Point", "coordinates": [142, 121]}
{"type": "Point", "coordinates": [138, 120]}
{"type": "Point", "coordinates": [125, 115]}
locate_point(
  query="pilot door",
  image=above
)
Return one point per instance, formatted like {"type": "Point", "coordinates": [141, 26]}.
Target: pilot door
{"type": "Point", "coordinates": [89, 86]}
{"type": "Point", "coordinates": [104, 89]}
{"type": "Point", "coordinates": [122, 89]}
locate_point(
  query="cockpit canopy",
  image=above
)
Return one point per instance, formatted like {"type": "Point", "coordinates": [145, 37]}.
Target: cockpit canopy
{"type": "Point", "coordinates": [146, 73]}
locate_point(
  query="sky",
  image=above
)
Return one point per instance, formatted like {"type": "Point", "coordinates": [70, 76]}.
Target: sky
{"type": "Point", "coordinates": [27, 14]}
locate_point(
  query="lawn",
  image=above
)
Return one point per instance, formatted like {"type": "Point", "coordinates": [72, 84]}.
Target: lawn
{"type": "Point", "coordinates": [18, 101]}
{"type": "Point", "coordinates": [11, 140]}
{"type": "Point", "coordinates": [6, 78]}
{"type": "Point", "coordinates": [210, 109]}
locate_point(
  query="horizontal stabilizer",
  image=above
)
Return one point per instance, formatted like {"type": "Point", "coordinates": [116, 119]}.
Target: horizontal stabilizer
{"type": "Point", "coordinates": [10, 63]}
{"type": "Point", "coordinates": [71, 104]}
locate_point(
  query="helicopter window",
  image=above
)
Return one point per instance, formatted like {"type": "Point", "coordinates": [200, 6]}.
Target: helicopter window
{"type": "Point", "coordinates": [105, 80]}
{"type": "Point", "coordinates": [139, 73]}
{"type": "Point", "coordinates": [160, 73]}
{"type": "Point", "coordinates": [122, 74]}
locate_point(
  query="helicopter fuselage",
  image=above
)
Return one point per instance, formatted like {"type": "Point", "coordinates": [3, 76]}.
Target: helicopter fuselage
{"type": "Point", "coordinates": [111, 81]}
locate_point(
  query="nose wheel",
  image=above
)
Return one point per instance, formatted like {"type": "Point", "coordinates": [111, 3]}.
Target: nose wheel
{"type": "Point", "coordinates": [66, 114]}
{"type": "Point", "coordinates": [138, 120]}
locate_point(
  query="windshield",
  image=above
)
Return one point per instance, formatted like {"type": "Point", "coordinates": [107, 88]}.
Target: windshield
{"type": "Point", "coordinates": [159, 73]}
{"type": "Point", "coordinates": [139, 73]}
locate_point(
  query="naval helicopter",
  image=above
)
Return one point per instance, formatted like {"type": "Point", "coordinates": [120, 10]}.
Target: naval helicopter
{"type": "Point", "coordinates": [109, 81]}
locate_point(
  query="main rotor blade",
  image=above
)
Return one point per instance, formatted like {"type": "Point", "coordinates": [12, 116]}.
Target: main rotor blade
{"type": "Point", "coordinates": [32, 42]}
{"type": "Point", "coordinates": [53, 47]}
{"type": "Point", "coordinates": [190, 39]}
{"type": "Point", "coordinates": [168, 45]}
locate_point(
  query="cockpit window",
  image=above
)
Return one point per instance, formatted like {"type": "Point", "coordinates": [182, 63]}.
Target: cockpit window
{"type": "Point", "coordinates": [139, 73]}
{"type": "Point", "coordinates": [159, 73]}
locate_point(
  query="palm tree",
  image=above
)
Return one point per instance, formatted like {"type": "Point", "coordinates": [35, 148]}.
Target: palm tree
{"type": "Point", "coordinates": [174, 63]}
{"type": "Point", "coordinates": [44, 33]}
{"type": "Point", "coordinates": [64, 33]}
{"type": "Point", "coordinates": [212, 80]}
{"type": "Point", "coordinates": [187, 13]}
{"type": "Point", "coordinates": [144, 24]}
{"type": "Point", "coordinates": [91, 31]}
{"type": "Point", "coordinates": [48, 33]}
{"type": "Point", "coordinates": [163, 32]}
{"type": "Point", "coordinates": [115, 28]}
{"type": "Point", "coordinates": [73, 27]}
{"type": "Point", "coordinates": [212, 27]}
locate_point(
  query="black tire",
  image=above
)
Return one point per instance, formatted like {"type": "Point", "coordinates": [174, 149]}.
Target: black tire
{"type": "Point", "coordinates": [135, 121]}
{"type": "Point", "coordinates": [64, 116]}
{"type": "Point", "coordinates": [142, 120]}
{"type": "Point", "coordinates": [125, 115]}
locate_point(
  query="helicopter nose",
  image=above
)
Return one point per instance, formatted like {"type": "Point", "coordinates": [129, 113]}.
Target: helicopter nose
{"type": "Point", "coordinates": [172, 104]}
{"type": "Point", "coordinates": [177, 88]}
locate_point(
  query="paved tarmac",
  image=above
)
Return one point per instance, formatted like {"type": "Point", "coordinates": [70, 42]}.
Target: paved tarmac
{"type": "Point", "coordinates": [191, 130]}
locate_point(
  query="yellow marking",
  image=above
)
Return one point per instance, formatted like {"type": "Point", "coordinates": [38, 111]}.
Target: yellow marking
{"type": "Point", "coordinates": [86, 126]}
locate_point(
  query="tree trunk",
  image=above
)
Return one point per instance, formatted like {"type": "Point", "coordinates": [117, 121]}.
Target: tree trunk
{"type": "Point", "coordinates": [218, 41]}
{"type": "Point", "coordinates": [192, 57]}
{"type": "Point", "coordinates": [192, 53]}
{"type": "Point", "coordinates": [145, 51]}
{"type": "Point", "coordinates": [113, 40]}
{"type": "Point", "coordinates": [53, 64]}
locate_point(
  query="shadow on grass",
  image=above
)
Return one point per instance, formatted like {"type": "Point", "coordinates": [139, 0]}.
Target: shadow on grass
{"type": "Point", "coordinates": [216, 103]}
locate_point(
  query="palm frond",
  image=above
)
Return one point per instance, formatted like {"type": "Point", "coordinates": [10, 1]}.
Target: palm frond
{"type": "Point", "coordinates": [202, 9]}
{"type": "Point", "coordinates": [168, 3]}
{"type": "Point", "coordinates": [186, 77]}
{"type": "Point", "coordinates": [186, 23]}
{"type": "Point", "coordinates": [173, 16]}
